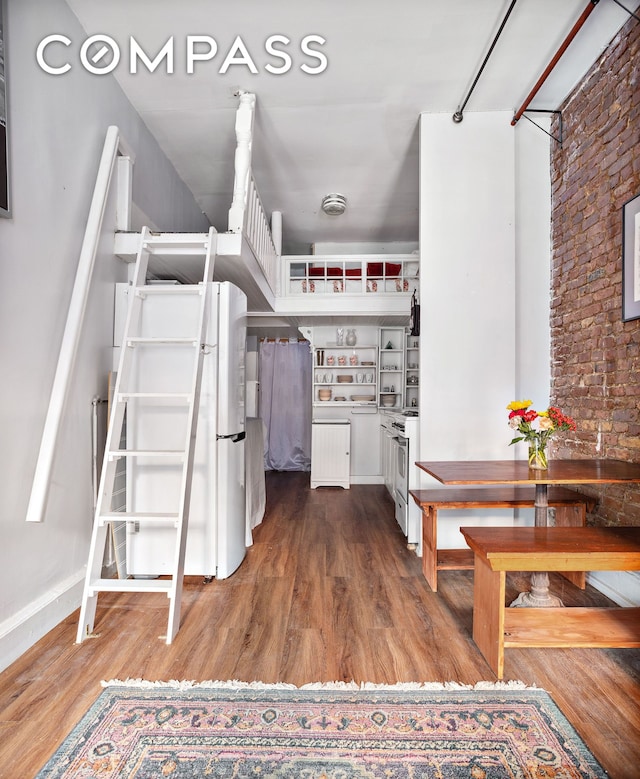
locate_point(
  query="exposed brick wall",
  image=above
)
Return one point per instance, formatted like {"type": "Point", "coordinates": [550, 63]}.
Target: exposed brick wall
{"type": "Point", "coordinates": [595, 356]}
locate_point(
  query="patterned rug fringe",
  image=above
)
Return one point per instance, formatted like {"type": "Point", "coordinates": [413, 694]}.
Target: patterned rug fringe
{"type": "Point", "coordinates": [235, 684]}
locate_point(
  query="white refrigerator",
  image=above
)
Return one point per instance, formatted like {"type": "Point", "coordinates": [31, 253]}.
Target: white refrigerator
{"type": "Point", "coordinates": [217, 526]}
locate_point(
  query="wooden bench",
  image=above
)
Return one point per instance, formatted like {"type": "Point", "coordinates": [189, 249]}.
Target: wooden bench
{"type": "Point", "coordinates": [501, 549]}
{"type": "Point", "coordinates": [571, 508]}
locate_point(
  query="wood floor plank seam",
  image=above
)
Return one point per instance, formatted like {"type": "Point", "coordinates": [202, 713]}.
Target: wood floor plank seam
{"type": "Point", "coordinates": [328, 592]}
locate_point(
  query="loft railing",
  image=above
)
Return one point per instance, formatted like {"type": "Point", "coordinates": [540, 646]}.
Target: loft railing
{"type": "Point", "coordinates": [364, 275]}
{"type": "Point", "coordinates": [258, 234]}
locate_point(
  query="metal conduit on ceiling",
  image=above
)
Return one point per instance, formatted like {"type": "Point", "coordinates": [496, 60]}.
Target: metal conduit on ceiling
{"type": "Point", "coordinates": [572, 34]}
{"type": "Point", "coordinates": [458, 115]}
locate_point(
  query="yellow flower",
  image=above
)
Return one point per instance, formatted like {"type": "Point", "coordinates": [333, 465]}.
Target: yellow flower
{"type": "Point", "coordinates": [516, 405]}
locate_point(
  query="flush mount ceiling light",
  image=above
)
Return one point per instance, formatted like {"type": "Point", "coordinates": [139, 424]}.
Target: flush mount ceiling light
{"type": "Point", "coordinates": [334, 204]}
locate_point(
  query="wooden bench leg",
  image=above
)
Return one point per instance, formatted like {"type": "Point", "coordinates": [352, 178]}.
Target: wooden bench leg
{"type": "Point", "coordinates": [573, 516]}
{"type": "Point", "coordinates": [430, 546]}
{"type": "Point", "coordinates": [488, 614]}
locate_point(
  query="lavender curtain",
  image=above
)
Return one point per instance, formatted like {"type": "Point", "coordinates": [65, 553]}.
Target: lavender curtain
{"type": "Point", "coordinates": [285, 404]}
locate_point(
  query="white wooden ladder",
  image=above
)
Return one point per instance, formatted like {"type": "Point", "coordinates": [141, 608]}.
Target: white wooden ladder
{"type": "Point", "coordinates": [141, 342]}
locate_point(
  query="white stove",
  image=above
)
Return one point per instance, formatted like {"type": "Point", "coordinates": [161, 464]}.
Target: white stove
{"type": "Point", "coordinates": [405, 431]}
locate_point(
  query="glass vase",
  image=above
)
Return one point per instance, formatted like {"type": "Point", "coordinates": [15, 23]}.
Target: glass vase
{"type": "Point", "coordinates": [351, 338]}
{"type": "Point", "coordinates": [538, 456]}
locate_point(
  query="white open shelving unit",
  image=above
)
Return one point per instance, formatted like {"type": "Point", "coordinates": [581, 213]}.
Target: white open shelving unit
{"type": "Point", "coordinates": [411, 372]}
{"type": "Point", "coordinates": [345, 375]}
{"type": "Point", "coordinates": [391, 343]}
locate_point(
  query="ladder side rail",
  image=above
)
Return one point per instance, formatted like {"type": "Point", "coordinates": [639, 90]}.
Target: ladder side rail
{"type": "Point", "coordinates": [210, 257]}
{"type": "Point", "coordinates": [173, 588]}
{"type": "Point", "coordinates": [108, 474]}
{"type": "Point", "coordinates": [73, 327]}
{"type": "Point", "coordinates": [173, 624]}
{"type": "Point", "coordinates": [116, 422]}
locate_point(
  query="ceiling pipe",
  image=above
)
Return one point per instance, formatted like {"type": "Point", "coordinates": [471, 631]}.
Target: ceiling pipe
{"type": "Point", "coordinates": [457, 117]}
{"type": "Point", "coordinates": [624, 8]}
{"type": "Point", "coordinates": [574, 31]}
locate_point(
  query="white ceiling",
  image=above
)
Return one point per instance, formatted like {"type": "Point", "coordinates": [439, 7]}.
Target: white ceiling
{"type": "Point", "coordinates": [352, 129]}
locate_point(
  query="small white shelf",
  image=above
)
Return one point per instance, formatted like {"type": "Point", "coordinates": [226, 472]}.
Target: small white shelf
{"type": "Point", "coordinates": [412, 369]}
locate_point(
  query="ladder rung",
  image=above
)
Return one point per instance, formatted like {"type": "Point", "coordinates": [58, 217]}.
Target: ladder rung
{"type": "Point", "coordinates": [158, 341]}
{"type": "Point", "coordinates": [146, 453]}
{"type": "Point", "coordinates": [130, 585]}
{"type": "Point", "coordinates": [177, 243]}
{"type": "Point", "coordinates": [130, 516]}
{"type": "Point", "coordinates": [185, 396]}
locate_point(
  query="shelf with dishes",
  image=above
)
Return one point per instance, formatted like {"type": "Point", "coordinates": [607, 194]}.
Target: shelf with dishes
{"type": "Point", "coordinates": [338, 387]}
{"type": "Point", "coordinates": [391, 346]}
{"type": "Point", "coordinates": [345, 400]}
{"type": "Point", "coordinates": [384, 375]}
{"type": "Point", "coordinates": [389, 400]}
{"type": "Point", "coordinates": [345, 375]}
{"type": "Point", "coordinates": [345, 356]}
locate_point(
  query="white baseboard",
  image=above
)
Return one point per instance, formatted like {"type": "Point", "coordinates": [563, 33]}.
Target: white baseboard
{"type": "Point", "coordinates": [30, 624]}
{"type": "Point", "coordinates": [623, 587]}
{"type": "Point", "coordinates": [360, 478]}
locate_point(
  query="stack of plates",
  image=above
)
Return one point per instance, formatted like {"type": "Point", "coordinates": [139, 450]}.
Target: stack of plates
{"type": "Point", "coordinates": [363, 398]}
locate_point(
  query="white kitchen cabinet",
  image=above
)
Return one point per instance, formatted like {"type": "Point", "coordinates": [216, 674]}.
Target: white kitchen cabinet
{"type": "Point", "coordinates": [330, 453]}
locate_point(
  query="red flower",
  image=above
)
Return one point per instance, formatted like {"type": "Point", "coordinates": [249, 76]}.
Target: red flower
{"type": "Point", "coordinates": [560, 420]}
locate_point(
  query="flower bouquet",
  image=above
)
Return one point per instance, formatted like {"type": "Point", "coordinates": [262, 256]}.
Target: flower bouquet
{"type": "Point", "coordinates": [536, 427]}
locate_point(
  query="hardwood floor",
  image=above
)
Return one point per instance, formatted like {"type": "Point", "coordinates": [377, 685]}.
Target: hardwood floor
{"type": "Point", "coordinates": [327, 592]}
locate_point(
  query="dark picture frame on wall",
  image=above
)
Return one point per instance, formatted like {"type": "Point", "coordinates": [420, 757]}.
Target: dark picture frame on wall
{"type": "Point", "coordinates": [631, 259]}
{"type": "Point", "coordinates": [4, 148]}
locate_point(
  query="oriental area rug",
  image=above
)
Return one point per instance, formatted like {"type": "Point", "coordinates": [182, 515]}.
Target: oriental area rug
{"type": "Point", "coordinates": [183, 730]}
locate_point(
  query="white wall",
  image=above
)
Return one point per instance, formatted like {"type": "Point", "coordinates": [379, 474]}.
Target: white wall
{"type": "Point", "coordinates": [467, 285]}
{"type": "Point", "coordinates": [57, 127]}
{"type": "Point", "coordinates": [484, 281]}
{"type": "Point", "coordinates": [533, 262]}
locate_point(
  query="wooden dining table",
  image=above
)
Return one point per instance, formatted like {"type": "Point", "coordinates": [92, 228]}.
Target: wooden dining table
{"type": "Point", "coordinates": [564, 472]}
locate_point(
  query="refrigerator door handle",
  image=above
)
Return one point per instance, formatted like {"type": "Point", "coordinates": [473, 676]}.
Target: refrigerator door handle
{"type": "Point", "coordinates": [235, 437]}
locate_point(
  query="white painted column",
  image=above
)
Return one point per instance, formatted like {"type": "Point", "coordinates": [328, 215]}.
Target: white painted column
{"type": "Point", "coordinates": [244, 133]}
{"type": "Point", "coordinates": [467, 285]}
